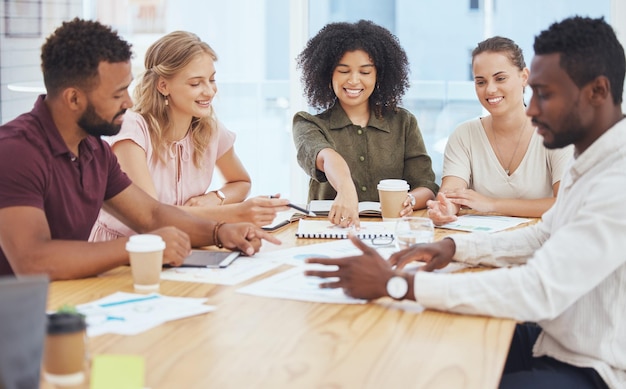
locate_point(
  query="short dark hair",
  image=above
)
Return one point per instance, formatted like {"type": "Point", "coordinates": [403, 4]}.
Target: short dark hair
{"type": "Point", "coordinates": [323, 52]}
{"type": "Point", "coordinates": [71, 55]}
{"type": "Point", "coordinates": [588, 49]}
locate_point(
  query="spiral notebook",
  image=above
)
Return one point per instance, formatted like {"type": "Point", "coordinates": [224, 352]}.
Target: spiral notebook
{"type": "Point", "coordinates": [323, 229]}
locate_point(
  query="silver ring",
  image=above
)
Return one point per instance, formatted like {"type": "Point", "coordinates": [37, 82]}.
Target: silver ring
{"type": "Point", "coordinates": [342, 219]}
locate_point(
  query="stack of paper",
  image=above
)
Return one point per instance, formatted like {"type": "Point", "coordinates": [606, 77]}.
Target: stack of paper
{"type": "Point", "coordinates": [294, 285]}
{"type": "Point", "coordinates": [484, 223]}
{"type": "Point", "coordinates": [129, 313]}
{"type": "Point", "coordinates": [239, 271]}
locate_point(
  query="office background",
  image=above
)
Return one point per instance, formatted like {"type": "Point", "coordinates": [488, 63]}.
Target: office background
{"type": "Point", "coordinates": [257, 41]}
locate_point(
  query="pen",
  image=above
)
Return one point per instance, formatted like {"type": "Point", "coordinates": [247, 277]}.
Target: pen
{"type": "Point", "coordinates": [134, 300]}
{"type": "Point", "coordinates": [310, 213]}
{"type": "Point", "coordinates": [297, 208]}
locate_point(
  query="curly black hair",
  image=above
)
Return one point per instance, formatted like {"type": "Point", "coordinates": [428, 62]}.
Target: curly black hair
{"type": "Point", "coordinates": [71, 55]}
{"type": "Point", "coordinates": [588, 48]}
{"type": "Point", "coordinates": [323, 52]}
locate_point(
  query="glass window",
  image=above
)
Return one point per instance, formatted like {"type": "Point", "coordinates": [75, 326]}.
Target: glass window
{"type": "Point", "coordinates": [251, 39]}
{"type": "Point", "coordinates": [257, 41]}
{"type": "Point", "coordinates": [441, 94]}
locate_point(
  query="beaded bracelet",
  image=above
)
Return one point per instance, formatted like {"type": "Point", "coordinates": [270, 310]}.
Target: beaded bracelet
{"type": "Point", "coordinates": [216, 239]}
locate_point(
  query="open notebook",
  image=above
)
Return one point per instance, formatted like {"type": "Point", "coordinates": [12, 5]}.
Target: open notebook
{"type": "Point", "coordinates": [323, 229]}
{"type": "Point", "coordinates": [283, 218]}
{"type": "Point", "coordinates": [366, 208]}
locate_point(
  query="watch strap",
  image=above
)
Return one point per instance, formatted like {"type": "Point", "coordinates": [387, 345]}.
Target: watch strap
{"type": "Point", "coordinates": [412, 200]}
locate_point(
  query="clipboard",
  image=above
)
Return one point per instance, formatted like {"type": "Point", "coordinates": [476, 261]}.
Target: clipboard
{"type": "Point", "coordinates": [211, 259]}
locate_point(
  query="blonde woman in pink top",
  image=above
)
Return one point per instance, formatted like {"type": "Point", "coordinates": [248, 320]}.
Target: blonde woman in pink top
{"type": "Point", "coordinates": [172, 142]}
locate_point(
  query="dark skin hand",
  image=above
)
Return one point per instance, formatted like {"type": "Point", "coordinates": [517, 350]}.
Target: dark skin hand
{"type": "Point", "coordinates": [365, 276]}
{"type": "Point", "coordinates": [436, 255]}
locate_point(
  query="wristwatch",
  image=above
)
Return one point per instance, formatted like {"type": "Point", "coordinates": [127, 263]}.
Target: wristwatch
{"type": "Point", "coordinates": [412, 200]}
{"type": "Point", "coordinates": [220, 195]}
{"type": "Point", "coordinates": [397, 287]}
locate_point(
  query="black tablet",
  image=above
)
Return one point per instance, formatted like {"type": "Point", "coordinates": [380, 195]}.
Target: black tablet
{"type": "Point", "coordinates": [214, 259]}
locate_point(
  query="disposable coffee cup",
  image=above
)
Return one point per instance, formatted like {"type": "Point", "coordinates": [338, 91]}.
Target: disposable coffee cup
{"type": "Point", "coordinates": [146, 260]}
{"type": "Point", "coordinates": [64, 351]}
{"type": "Point", "coordinates": [392, 194]}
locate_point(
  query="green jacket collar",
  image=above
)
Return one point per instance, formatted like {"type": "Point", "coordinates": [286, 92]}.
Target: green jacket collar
{"type": "Point", "coordinates": [339, 119]}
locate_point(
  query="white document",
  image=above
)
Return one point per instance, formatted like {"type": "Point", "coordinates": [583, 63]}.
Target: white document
{"type": "Point", "coordinates": [239, 271]}
{"type": "Point", "coordinates": [333, 249]}
{"type": "Point", "coordinates": [484, 223]}
{"type": "Point", "coordinates": [294, 285]}
{"type": "Point", "coordinates": [297, 255]}
{"type": "Point", "coordinates": [131, 313]}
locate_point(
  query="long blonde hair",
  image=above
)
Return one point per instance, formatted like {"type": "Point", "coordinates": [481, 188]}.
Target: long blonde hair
{"type": "Point", "coordinates": [165, 58]}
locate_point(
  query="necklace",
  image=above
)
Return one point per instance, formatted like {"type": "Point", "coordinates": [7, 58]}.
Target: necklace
{"type": "Point", "coordinates": [507, 169]}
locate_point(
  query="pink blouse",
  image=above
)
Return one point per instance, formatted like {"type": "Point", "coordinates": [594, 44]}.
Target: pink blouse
{"type": "Point", "coordinates": [176, 180]}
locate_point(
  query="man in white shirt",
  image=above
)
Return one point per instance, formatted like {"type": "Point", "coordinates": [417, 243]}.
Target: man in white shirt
{"type": "Point", "coordinates": [570, 273]}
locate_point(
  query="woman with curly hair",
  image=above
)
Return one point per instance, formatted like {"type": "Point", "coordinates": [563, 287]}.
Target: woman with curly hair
{"type": "Point", "coordinates": [357, 73]}
{"type": "Point", "coordinates": [172, 142]}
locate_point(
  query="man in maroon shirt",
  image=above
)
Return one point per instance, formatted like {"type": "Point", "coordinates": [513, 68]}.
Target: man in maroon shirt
{"type": "Point", "coordinates": [56, 173]}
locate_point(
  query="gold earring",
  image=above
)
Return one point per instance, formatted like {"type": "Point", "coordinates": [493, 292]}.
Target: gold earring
{"type": "Point", "coordinates": [167, 102]}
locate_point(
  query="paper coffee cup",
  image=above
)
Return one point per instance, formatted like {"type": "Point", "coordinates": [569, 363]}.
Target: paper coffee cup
{"type": "Point", "coordinates": [64, 351]}
{"type": "Point", "coordinates": [392, 194]}
{"type": "Point", "coordinates": [146, 260]}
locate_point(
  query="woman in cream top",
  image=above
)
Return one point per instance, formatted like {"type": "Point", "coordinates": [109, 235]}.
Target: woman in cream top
{"type": "Point", "coordinates": [498, 163]}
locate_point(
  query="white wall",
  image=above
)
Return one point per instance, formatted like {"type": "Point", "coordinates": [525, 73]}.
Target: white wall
{"type": "Point", "coordinates": [20, 56]}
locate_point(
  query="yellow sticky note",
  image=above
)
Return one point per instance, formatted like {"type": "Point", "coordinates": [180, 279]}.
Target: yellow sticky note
{"type": "Point", "coordinates": [117, 371]}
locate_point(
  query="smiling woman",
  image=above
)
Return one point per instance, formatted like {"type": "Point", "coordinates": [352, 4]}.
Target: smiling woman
{"type": "Point", "coordinates": [171, 143]}
{"type": "Point", "coordinates": [362, 136]}
{"type": "Point", "coordinates": [259, 87]}
{"type": "Point", "coordinates": [498, 163]}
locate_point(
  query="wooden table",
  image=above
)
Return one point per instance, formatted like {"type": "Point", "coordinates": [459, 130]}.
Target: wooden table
{"type": "Point", "coordinates": [257, 342]}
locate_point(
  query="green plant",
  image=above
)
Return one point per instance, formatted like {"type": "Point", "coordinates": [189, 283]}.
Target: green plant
{"type": "Point", "coordinates": [66, 308]}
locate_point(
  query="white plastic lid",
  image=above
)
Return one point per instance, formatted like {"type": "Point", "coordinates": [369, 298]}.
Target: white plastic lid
{"type": "Point", "coordinates": [145, 243]}
{"type": "Point", "coordinates": [393, 185]}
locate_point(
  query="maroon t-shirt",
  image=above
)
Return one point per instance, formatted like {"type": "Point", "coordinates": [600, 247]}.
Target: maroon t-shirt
{"type": "Point", "coordinates": [38, 170]}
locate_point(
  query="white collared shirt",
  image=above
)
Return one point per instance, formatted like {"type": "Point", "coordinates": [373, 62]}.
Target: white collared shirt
{"type": "Point", "coordinates": [572, 281]}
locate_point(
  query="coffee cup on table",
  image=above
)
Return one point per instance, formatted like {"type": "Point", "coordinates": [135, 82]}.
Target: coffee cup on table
{"type": "Point", "coordinates": [392, 194]}
{"type": "Point", "coordinates": [65, 351]}
{"type": "Point", "coordinates": [145, 252]}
